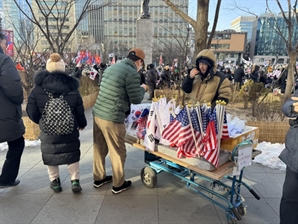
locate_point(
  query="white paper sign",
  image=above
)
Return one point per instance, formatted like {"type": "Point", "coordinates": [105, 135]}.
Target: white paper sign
{"type": "Point", "coordinates": [244, 156]}
{"type": "Point", "coordinates": [243, 159]}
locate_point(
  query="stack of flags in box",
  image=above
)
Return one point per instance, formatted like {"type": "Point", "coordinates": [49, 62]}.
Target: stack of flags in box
{"type": "Point", "coordinates": [195, 130]}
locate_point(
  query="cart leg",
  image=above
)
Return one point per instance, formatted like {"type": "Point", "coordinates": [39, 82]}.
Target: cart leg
{"type": "Point", "coordinates": [150, 157]}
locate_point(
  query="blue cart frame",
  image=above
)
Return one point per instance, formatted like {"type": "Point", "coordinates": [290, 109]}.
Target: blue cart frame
{"type": "Point", "coordinates": [232, 201]}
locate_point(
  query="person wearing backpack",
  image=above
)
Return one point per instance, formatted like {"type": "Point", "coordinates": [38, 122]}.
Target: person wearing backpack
{"type": "Point", "coordinates": [56, 105]}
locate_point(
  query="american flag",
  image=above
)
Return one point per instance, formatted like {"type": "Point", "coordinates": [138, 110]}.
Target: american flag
{"type": "Point", "coordinates": [205, 117]}
{"type": "Point", "coordinates": [142, 121]}
{"type": "Point", "coordinates": [195, 123]}
{"type": "Point", "coordinates": [225, 130]}
{"type": "Point", "coordinates": [192, 148]}
{"type": "Point", "coordinates": [185, 130]}
{"type": "Point", "coordinates": [211, 151]}
{"type": "Point", "coordinates": [215, 120]}
{"type": "Point", "coordinates": [178, 132]}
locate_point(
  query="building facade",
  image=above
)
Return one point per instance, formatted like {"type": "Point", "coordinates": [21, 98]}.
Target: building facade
{"type": "Point", "coordinates": [247, 24]}
{"type": "Point", "coordinates": [62, 17]}
{"type": "Point", "coordinates": [14, 19]}
{"type": "Point", "coordinates": [268, 41]}
{"type": "Point", "coordinates": [114, 26]}
{"type": "Point", "coordinates": [229, 46]}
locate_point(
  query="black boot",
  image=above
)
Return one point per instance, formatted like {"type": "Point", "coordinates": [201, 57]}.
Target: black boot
{"type": "Point", "coordinates": [56, 185]}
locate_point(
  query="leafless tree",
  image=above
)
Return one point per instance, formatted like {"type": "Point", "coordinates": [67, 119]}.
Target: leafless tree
{"type": "Point", "coordinates": [290, 17]}
{"type": "Point", "coordinates": [56, 13]}
{"type": "Point", "coordinates": [200, 25]}
{"type": "Point", "coordinates": [25, 46]}
{"type": "Point", "coordinates": [174, 46]}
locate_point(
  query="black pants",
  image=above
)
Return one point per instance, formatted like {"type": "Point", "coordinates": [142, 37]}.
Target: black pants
{"type": "Point", "coordinates": [11, 165]}
{"type": "Point", "coordinates": [289, 200]}
{"type": "Point", "coordinates": [151, 92]}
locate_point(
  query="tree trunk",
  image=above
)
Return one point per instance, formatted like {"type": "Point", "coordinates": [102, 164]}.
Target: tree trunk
{"type": "Point", "coordinates": [201, 29]}
{"type": "Point", "coordinates": [290, 78]}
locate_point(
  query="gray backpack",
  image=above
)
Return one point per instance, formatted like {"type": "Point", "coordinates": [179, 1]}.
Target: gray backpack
{"type": "Point", "coordinates": [57, 118]}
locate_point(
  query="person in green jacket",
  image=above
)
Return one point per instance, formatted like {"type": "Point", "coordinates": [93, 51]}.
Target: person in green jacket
{"type": "Point", "coordinates": [120, 87]}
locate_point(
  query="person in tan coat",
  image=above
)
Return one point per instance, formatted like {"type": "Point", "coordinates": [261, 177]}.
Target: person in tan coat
{"type": "Point", "coordinates": [204, 83]}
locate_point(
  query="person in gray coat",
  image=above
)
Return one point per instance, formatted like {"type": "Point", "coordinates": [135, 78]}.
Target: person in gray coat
{"type": "Point", "coordinates": [289, 200]}
{"type": "Point", "coordinates": [11, 123]}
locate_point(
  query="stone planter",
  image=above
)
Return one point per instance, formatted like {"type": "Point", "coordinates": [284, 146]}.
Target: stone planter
{"type": "Point", "coordinates": [274, 132]}
{"type": "Point", "coordinates": [32, 129]}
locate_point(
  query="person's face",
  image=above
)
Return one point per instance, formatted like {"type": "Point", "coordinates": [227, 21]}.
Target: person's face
{"type": "Point", "coordinates": [203, 67]}
{"type": "Point", "coordinates": [3, 45]}
{"type": "Point", "coordinates": [139, 64]}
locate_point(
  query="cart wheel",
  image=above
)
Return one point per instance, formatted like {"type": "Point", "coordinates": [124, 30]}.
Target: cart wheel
{"type": "Point", "coordinates": [231, 219]}
{"type": "Point", "coordinates": [148, 177]}
{"type": "Point", "coordinates": [241, 210]}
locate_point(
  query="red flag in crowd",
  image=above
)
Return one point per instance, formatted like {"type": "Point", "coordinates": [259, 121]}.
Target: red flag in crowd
{"type": "Point", "coordinates": [19, 67]}
{"type": "Point", "coordinates": [97, 59]}
{"type": "Point", "coordinates": [113, 60]}
{"type": "Point", "coordinates": [160, 60]}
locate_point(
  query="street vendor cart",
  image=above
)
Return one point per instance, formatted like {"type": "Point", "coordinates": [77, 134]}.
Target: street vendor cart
{"type": "Point", "coordinates": [230, 198]}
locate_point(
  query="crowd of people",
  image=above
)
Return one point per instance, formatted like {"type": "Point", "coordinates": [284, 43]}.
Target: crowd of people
{"type": "Point", "coordinates": [270, 76]}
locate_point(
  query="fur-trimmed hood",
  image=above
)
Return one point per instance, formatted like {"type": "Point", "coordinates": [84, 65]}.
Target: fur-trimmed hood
{"type": "Point", "coordinates": [207, 54]}
{"type": "Point", "coordinates": [56, 82]}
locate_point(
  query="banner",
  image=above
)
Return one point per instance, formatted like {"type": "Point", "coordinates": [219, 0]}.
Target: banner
{"type": "Point", "coordinates": [9, 42]}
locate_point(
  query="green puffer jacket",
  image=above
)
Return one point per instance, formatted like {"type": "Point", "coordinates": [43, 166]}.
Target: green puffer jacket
{"type": "Point", "coordinates": [120, 87]}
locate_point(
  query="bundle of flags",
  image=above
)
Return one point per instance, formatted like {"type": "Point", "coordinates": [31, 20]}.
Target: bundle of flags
{"type": "Point", "coordinates": [85, 57]}
{"type": "Point", "coordinates": [195, 130]}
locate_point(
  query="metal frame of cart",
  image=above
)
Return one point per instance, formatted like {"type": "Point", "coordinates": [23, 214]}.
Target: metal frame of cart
{"type": "Point", "coordinates": [231, 199]}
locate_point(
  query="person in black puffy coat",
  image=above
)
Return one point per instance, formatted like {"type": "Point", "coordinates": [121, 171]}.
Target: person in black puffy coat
{"type": "Point", "coordinates": [289, 200]}
{"type": "Point", "coordinates": [151, 80]}
{"type": "Point", "coordinates": [58, 149]}
{"type": "Point", "coordinates": [11, 123]}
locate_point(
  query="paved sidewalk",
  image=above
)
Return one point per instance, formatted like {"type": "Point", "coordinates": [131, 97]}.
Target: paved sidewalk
{"type": "Point", "coordinates": [170, 202]}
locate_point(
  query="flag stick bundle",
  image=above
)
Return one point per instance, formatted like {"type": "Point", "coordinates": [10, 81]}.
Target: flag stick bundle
{"type": "Point", "coordinates": [195, 130]}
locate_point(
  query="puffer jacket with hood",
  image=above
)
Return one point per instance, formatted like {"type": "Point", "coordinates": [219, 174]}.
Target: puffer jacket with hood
{"type": "Point", "coordinates": [290, 154]}
{"type": "Point", "coordinates": [11, 99]}
{"type": "Point", "coordinates": [57, 149]}
{"type": "Point", "coordinates": [209, 87]}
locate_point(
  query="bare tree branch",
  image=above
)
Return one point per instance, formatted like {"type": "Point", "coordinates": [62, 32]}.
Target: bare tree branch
{"type": "Point", "coordinates": [244, 9]}
{"type": "Point", "coordinates": [55, 14]}
{"type": "Point", "coordinates": [184, 16]}
{"type": "Point", "coordinates": [214, 23]}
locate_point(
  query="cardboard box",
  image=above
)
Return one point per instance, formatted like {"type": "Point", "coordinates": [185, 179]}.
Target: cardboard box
{"type": "Point", "coordinates": [250, 133]}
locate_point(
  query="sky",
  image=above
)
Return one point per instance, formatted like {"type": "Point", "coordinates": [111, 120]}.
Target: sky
{"type": "Point", "coordinates": [229, 11]}
{"type": "Point", "coordinates": [268, 157]}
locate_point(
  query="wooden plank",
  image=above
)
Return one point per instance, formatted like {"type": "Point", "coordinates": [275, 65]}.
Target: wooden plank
{"type": "Point", "coordinates": [216, 174]}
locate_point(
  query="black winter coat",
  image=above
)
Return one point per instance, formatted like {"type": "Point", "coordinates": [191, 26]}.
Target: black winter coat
{"type": "Point", "coordinates": [57, 149]}
{"type": "Point", "coordinates": [11, 98]}
{"type": "Point", "coordinates": [238, 75]}
{"type": "Point", "coordinates": [152, 77]}
{"type": "Point", "coordinates": [290, 154]}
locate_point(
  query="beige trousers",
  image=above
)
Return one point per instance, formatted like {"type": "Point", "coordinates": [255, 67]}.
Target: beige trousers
{"type": "Point", "coordinates": [73, 169]}
{"type": "Point", "coordinates": [109, 137]}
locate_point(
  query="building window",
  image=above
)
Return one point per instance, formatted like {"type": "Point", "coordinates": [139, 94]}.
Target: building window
{"type": "Point", "coordinates": [226, 36]}
{"type": "Point", "coordinates": [226, 46]}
